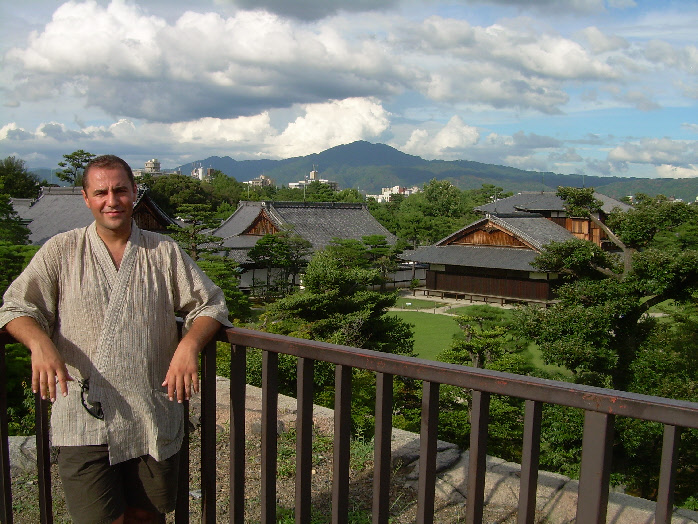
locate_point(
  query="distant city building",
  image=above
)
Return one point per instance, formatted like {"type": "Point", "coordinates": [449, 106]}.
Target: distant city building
{"type": "Point", "coordinates": [261, 181]}
{"type": "Point", "coordinates": [388, 192]}
{"type": "Point", "coordinates": [201, 173]}
{"type": "Point", "coordinates": [152, 168]}
{"type": "Point", "coordinates": [314, 177]}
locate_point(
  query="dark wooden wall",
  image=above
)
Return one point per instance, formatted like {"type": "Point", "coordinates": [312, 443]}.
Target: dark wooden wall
{"type": "Point", "coordinates": [503, 285]}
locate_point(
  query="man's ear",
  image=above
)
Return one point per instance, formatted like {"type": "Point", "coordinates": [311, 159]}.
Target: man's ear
{"type": "Point", "coordinates": [84, 196]}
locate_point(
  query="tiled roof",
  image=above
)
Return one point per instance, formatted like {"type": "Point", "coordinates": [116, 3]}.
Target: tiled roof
{"type": "Point", "coordinates": [236, 223]}
{"type": "Point", "coordinates": [320, 223]}
{"type": "Point", "coordinates": [542, 201]}
{"type": "Point", "coordinates": [531, 228]}
{"type": "Point", "coordinates": [536, 231]}
{"type": "Point", "coordinates": [317, 222]}
{"type": "Point", "coordinates": [475, 256]}
{"type": "Point", "coordinates": [58, 209]}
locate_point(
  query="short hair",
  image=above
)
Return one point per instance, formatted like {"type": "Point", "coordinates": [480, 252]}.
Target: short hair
{"type": "Point", "coordinates": [108, 162]}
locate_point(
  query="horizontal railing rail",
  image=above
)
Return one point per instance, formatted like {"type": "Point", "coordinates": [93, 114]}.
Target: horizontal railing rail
{"type": "Point", "coordinates": [601, 406]}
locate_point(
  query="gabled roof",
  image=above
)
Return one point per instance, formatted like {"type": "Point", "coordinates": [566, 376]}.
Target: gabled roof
{"type": "Point", "coordinates": [543, 202]}
{"type": "Point", "coordinates": [317, 222]}
{"type": "Point", "coordinates": [60, 209]}
{"type": "Point", "coordinates": [531, 232]}
{"type": "Point", "coordinates": [475, 256]}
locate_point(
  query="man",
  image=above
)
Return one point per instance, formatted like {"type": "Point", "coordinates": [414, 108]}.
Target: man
{"type": "Point", "coordinates": [97, 308]}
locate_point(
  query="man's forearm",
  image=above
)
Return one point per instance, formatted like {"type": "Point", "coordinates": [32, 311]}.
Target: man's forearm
{"type": "Point", "coordinates": [27, 331]}
{"type": "Point", "coordinates": [202, 330]}
{"type": "Point", "coordinates": [48, 366]}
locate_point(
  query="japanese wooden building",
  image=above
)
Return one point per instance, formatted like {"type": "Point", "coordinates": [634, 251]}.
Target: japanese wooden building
{"type": "Point", "coordinates": [490, 259]}
{"type": "Point", "coordinates": [317, 222]}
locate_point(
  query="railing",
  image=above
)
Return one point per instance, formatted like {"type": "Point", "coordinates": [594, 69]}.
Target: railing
{"type": "Point", "coordinates": [600, 407]}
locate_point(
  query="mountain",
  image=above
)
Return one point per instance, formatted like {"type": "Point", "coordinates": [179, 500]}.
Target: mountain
{"type": "Point", "coordinates": [370, 167]}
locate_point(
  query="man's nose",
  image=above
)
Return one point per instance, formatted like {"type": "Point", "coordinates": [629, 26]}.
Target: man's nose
{"type": "Point", "coordinates": [111, 198]}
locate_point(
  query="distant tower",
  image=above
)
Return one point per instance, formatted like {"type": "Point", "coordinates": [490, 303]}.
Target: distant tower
{"type": "Point", "coordinates": [314, 173]}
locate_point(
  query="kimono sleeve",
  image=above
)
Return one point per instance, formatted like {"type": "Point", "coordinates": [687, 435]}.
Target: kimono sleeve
{"type": "Point", "coordinates": [195, 294]}
{"type": "Point", "coordinates": [34, 293]}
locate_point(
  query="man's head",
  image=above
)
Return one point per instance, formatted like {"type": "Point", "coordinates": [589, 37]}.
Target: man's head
{"type": "Point", "coordinates": [110, 193]}
{"type": "Point", "coordinates": [109, 161]}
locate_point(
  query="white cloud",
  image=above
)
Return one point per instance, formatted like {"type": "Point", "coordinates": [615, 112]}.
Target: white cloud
{"type": "Point", "coordinates": [602, 43]}
{"type": "Point", "coordinates": [330, 124]}
{"type": "Point", "coordinates": [670, 56]}
{"type": "Point", "coordinates": [217, 131]}
{"type": "Point", "coordinates": [621, 4]}
{"type": "Point", "coordinates": [314, 9]}
{"type": "Point", "coordinates": [451, 141]}
{"type": "Point", "coordinates": [657, 151]}
{"type": "Point", "coordinates": [669, 171]}
{"type": "Point", "coordinates": [179, 80]}
{"type": "Point", "coordinates": [203, 65]}
{"type": "Point", "coordinates": [321, 126]}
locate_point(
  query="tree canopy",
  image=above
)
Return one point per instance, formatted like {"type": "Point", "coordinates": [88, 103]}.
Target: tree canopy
{"type": "Point", "coordinates": [437, 211]}
{"type": "Point", "coordinates": [16, 181]}
{"type": "Point", "coordinates": [73, 166]}
{"type": "Point", "coordinates": [606, 331]}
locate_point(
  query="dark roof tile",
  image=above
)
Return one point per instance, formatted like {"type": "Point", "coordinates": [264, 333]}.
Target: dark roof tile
{"type": "Point", "coordinates": [475, 256]}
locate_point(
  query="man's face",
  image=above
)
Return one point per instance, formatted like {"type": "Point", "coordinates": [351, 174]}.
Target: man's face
{"type": "Point", "coordinates": [110, 196]}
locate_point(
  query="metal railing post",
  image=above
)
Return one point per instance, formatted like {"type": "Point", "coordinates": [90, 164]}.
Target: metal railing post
{"type": "Point", "coordinates": [381, 448]}
{"type": "Point", "coordinates": [304, 440]}
{"type": "Point", "coordinates": [208, 433]}
{"type": "Point", "coordinates": [43, 459]}
{"type": "Point", "coordinates": [595, 473]}
{"type": "Point", "coordinates": [270, 400]}
{"type": "Point", "coordinates": [238, 386]}
{"type": "Point", "coordinates": [529, 462]}
{"type": "Point", "coordinates": [342, 440]}
{"type": "Point", "coordinates": [665, 493]}
{"type": "Point", "coordinates": [5, 479]}
{"type": "Point", "coordinates": [477, 465]}
{"type": "Point", "coordinates": [427, 453]}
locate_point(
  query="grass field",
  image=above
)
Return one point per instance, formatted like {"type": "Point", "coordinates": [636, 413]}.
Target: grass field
{"type": "Point", "coordinates": [417, 304]}
{"type": "Point", "coordinates": [432, 333]}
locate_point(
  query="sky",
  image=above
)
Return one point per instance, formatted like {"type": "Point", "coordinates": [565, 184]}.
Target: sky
{"type": "Point", "coordinates": [595, 87]}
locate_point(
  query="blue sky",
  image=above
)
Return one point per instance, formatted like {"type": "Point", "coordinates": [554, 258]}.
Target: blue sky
{"type": "Point", "coordinates": [596, 87]}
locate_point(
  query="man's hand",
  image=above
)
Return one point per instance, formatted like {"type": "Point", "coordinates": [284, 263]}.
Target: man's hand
{"type": "Point", "coordinates": [183, 374]}
{"type": "Point", "coordinates": [48, 367]}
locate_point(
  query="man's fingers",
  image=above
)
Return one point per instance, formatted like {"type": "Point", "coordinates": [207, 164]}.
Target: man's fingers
{"type": "Point", "coordinates": [52, 387]}
{"type": "Point", "coordinates": [35, 381]}
{"type": "Point", "coordinates": [63, 379]}
{"type": "Point", "coordinates": [170, 383]}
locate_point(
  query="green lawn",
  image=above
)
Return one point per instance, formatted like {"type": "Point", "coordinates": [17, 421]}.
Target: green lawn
{"type": "Point", "coordinates": [417, 304]}
{"type": "Point", "coordinates": [432, 333]}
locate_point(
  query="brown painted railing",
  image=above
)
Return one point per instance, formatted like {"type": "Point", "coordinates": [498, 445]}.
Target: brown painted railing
{"type": "Point", "coordinates": [600, 407]}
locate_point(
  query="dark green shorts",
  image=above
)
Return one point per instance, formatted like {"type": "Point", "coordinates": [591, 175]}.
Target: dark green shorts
{"type": "Point", "coordinates": [97, 492]}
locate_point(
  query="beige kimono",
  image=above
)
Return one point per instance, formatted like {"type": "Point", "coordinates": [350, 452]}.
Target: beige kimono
{"type": "Point", "coordinates": [117, 329]}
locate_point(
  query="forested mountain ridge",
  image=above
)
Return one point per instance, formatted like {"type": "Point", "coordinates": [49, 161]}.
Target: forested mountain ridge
{"type": "Point", "coordinates": [369, 167]}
